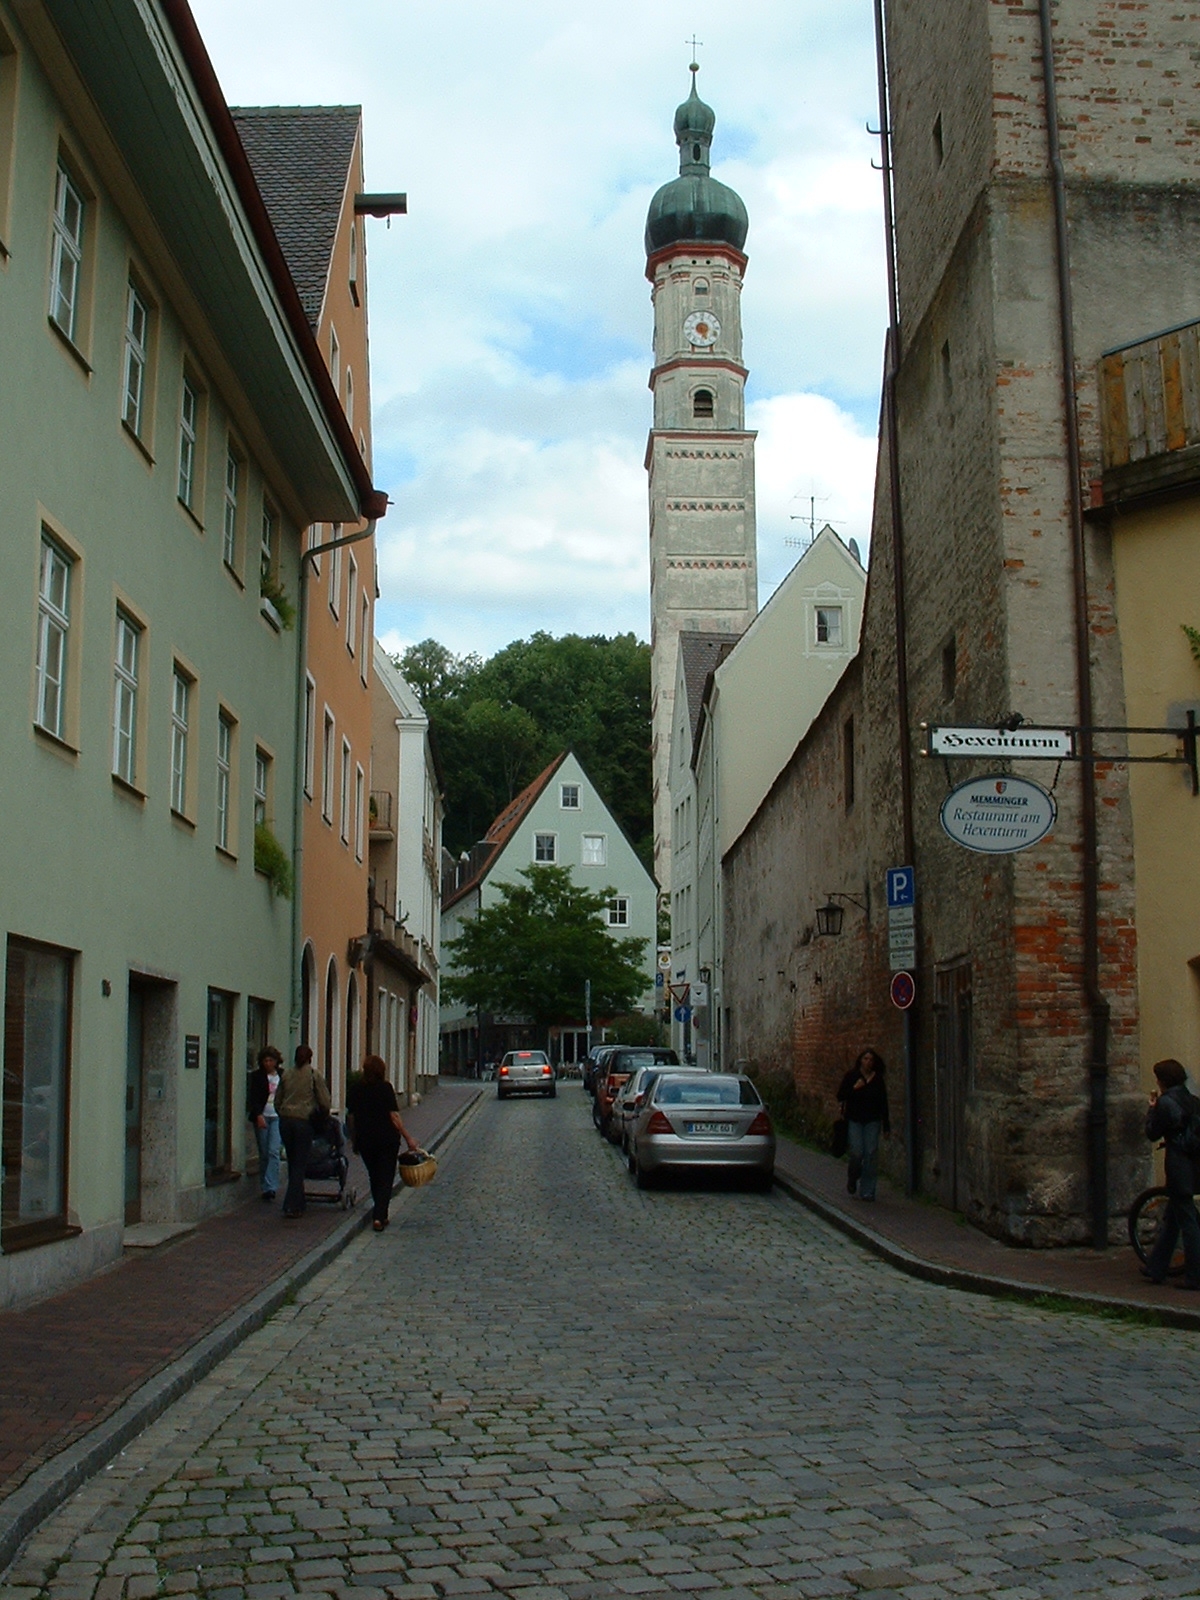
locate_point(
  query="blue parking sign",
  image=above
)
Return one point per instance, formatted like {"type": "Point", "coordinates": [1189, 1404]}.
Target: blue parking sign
{"type": "Point", "coordinates": [658, 980]}
{"type": "Point", "coordinates": [901, 886]}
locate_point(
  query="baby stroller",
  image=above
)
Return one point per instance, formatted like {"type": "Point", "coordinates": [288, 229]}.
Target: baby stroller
{"type": "Point", "coordinates": [329, 1164]}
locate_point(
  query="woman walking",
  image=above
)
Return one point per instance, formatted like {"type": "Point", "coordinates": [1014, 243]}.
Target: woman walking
{"type": "Point", "coordinates": [1171, 1110]}
{"type": "Point", "coordinates": [376, 1129]}
{"type": "Point", "coordinates": [260, 1108]}
{"type": "Point", "coordinates": [301, 1094]}
{"type": "Point", "coordinates": [864, 1102]}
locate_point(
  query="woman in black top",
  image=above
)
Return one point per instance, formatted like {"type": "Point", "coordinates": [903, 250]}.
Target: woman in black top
{"type": "Point", "coordinates": [376, 1129]}
{"type": "Point", "coordinates": [864, 1102]}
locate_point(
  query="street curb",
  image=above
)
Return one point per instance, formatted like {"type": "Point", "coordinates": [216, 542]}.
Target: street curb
{"type": "Point", "coordinates": [46, 1488]}
{"type": "Point", "coordinates": [978, 1282]}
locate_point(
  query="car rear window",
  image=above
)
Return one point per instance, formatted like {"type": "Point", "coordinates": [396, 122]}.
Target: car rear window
{"type": "Point", "coordinates": [631, 1060]}
{"type": "Point", "coordinates": [709, 1090]}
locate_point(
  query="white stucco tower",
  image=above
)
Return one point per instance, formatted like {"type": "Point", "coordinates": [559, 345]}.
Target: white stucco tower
{"type": "Point", "coordinates": [703, 567]}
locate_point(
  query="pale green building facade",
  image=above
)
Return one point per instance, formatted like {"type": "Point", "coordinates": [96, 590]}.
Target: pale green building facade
{"type": "Point", "coordinates": [165, 437]}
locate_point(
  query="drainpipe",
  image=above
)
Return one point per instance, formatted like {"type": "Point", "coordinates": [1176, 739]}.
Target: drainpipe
{"type": "Point", "coordinates": [295, 1019]}
{"type": "Point", "coordinates": [1097, 1005]}
{"type": "Point", "coordinates": [891, 364]}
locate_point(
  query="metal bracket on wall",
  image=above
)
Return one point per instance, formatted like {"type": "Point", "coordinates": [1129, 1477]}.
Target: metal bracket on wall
{"type": "Point", "coordinates": [1187, 736]}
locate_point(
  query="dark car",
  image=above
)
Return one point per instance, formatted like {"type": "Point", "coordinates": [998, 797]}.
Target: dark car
{"type": "Point", "coordinates": [618, 1069]}
{"type": "Point", "coordinates": [593, 1066]}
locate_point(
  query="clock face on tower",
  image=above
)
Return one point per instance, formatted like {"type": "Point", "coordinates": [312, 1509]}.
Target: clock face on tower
{"type": "Point", "coordinates": [702, 329]}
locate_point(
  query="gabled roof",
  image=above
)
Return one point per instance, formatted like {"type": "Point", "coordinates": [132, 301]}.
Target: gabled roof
{"type": "Point", "coordinates": [301, 159]}
{"type": "Point", "coordinates": [503, 828]}
{"type": "Point", "coordinates": [702, 654]}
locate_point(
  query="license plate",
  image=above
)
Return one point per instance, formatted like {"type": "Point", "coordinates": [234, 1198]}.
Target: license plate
{"type": "Point", "coordinates": [710, 1127]}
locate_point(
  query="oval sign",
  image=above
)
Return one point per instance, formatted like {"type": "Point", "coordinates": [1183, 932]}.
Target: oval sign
{"type": "Point", "coordinates": [996, 815]}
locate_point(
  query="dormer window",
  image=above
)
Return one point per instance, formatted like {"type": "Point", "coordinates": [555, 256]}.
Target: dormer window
{"type": "Point", "coordinates": [702, 403]}
{"type": "Point", "coordinates": [695, 152]}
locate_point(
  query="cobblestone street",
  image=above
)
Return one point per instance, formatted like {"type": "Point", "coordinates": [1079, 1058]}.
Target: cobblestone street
{"type": "Point", "coordinates": [541, 1382]}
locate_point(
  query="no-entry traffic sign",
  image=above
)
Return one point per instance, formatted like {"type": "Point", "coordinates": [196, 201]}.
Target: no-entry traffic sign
{"type": "Point", "coordinates": [904, 990]}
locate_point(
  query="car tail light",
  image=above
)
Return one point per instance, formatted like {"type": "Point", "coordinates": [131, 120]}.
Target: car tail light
{"type": "Point", "coordinates": [504, 1072]}
{"type": "Point", "coordinates": [545, 1072]}
{"type": "Point", "coordinates": [659, 1124]}
{"type": "Point", "coordinates": [761, 1125]}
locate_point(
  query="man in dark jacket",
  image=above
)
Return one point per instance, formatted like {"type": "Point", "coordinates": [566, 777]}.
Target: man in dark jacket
{"type": "Point", "coordinates": [1171, 1109]}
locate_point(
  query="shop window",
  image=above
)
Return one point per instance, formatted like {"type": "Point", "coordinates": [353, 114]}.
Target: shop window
{"type": "Point", "coordinates": [37, 1068]}
{"type": "Point", "coordinates": [218, 1085]}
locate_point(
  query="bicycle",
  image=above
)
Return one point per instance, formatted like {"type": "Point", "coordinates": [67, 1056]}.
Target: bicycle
{"type": "Point", "coordinates": [1145, 1219]}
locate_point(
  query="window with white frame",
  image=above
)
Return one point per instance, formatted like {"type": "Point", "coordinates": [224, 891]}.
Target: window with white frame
{"type": "Point", "coordinates": [310, 731]}
{"type": "Point", "coordinates": [262, 786]}
{"type": "Point", "coordinates": [365, 653]}
{"type": "Point", "coordinates": [349, 397]}
{"type": "Point", "coordinates": [267, 544]}
{"type": "Point", "coordinates": [351, 604]}
{"type": "Point", "coordinates": [345, 790]}
{"type": "Point", "coordinates": [353, 275]}
{"type": "Point", "coordinates": [359, 783]}
{"type": "Point", "coordinates": [594, 851]}
{"type": "Point", "coordinates": [137, 330]}
{"type": "Point", "coordinates": [335, 572]}
{"type": "Point", "coordinates": [618, 912]}
{"type": "Point", "coordinates": [229, 513]}
{"type": "Point", "coordinates": [545, 847]}
{"type": "Point", "coordinates": [568, 796]}
{"type": "Point", "coordinates": [189, 418]}
{"type": "Point", "coordinates": [181, 697]}
{"type": "Point", "coordinates": [829, 625]}
{"type": "Point", "coordinates": [224, 780]}
{"type": "Point", "coordinates": [66, 259]}
{"type": "Point", "coordinates": [54, 622]}
{"type": "Point", "coordinates": [335, 359]}
{"type": "Point", "coordinates": [125, 694]}
{"type": "Point", "coordinates": [327, 767]}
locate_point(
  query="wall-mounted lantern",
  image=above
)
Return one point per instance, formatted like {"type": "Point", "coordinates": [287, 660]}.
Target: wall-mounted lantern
{"type": "Point", "coordinates": [830, 916]}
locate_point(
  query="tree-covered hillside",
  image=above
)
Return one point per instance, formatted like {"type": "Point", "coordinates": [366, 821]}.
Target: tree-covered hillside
{"type": "Point", "coordinates": [498, 722]}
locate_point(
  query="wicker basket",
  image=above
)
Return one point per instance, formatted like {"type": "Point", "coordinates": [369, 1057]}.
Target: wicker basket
{"type": "Point", "coordinates": [416, 1173]}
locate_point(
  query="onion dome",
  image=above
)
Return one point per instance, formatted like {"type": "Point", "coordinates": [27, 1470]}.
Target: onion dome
{"type": "Point", "coordinates": [694, 205]}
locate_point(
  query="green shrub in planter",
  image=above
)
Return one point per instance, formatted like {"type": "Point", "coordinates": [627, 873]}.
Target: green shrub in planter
{"type": "Point", "coordinates": [272, 860]}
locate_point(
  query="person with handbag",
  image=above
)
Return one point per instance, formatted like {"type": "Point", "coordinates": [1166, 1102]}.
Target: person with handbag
{"type": "Point", "coordinates": [260, 1109]}
{"type": "Point", "coordinates": [1174, 1117]}
{"type": "Point", "coordinates": [376, 1129]}
{"type": "Point", "coordinates": [301, 1098]}
{"type": "Point", "coordinates": [862, 1096]}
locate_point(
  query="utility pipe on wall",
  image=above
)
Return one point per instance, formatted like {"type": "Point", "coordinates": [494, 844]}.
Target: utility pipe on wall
{"type": "Point", "coordinates": [1098, 1008]}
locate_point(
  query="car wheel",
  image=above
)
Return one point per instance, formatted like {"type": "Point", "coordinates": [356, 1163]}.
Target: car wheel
{"type": "Point", "coordinates": [631, 1160]}
{"type": "Point", "coordinates": [552, 1093]}
{"type": "Point", "coordinates": [645, 1180]}
{"type": "Point", "coordinates": [501, 1095]}
{"type": "Point", "coordinates": [762, 1182]}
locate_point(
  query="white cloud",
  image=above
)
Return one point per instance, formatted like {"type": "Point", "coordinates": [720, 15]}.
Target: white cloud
{"type": "Point", "coordinates": [510, 318]}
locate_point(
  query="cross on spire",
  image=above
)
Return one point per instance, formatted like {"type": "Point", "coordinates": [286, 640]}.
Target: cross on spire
{"type": "Point", "coordinates": [695, 44]}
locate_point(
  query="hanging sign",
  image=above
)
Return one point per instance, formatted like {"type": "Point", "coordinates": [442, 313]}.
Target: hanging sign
{"type": "Point", "coordinates": [997, 816]}
{"type": "Point", "coordinates": [1029, 744]}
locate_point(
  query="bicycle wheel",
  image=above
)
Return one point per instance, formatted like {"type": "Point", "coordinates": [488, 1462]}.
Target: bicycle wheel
{"type": "Point", "coordinates": [1145, 1219]}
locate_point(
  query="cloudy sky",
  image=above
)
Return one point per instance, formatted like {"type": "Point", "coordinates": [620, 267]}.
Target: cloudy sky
{"type": "Point", "coordinates": [510, 315]}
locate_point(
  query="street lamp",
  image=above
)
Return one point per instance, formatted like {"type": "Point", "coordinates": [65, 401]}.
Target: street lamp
{"type": "Point", "coordinates": [830, 916]}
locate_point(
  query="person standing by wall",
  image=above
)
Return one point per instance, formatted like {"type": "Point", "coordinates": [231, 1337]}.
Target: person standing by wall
{"type": "Point", "coordinates": [260, 1108]}
{"type": "Point", "coordinates": [862, 1096]}
{"type": "Point", "coordinates": [1172, 1108]}
{"type": "Point", "coordinates": [302, 1093]}
{"type": "Point", "coordinates": [376, 1129]}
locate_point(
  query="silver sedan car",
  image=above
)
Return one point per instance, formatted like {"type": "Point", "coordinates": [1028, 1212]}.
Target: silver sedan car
{"type": "Point", "coordinates": [709, 1120]}
{"type": "Point", "coordinates": [631, 1097]}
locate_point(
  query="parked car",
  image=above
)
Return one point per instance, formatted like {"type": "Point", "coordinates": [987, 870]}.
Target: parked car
{"type": "Point", "coordinates": [525, 1072]}
{"type": "Point", "coordinates": [620, 1066]}
{"type": "Point", "coordinates": [632, 1096]}
{"type": "Point", "coordinates": [711, 1119]}
{"type": "Point", "coordinates": [596, 1058]}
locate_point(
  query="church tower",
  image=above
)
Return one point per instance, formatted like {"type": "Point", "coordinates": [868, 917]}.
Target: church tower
{"type": "Point", "coordinates": [703, 568]}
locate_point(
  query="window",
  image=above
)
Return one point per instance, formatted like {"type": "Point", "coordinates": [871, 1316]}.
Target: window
{"type": "Point", "coordinates": [66, 257]}
{"type": "Point", "coordinates": [335, 572]}
{"type": "Point", "coordinates": [595, 851]}
{"type": "Point", "coordinates": [218, 1084]}
{"type": "Point", "coordinates": [37, 1066]}
{"type": "Point", "coordinates": [848, 762]}
{"type": "Point", "coordinates": [618, 912]}
{"type": "Point", "coordinates": [947, 374]}
{"type": "Point", "coordinates": [353, 277]}
{"type": "Point", "coordinates": [344, 791]}
{"type": "Point", "coordinates": [327, 768]}
{"type": "Point", "coordinates": [545, 847]}
{"type": "Point", "coordinates": [568, 796]}
{"type": "Point", "coordinates": [229, 512]}
{"type": "Point", "coordinates": [829, 626]}
{"type": "Point", "coordinates": [310, 731]}
{"type": "Point", "coordinates": [949, 668]}
{"type": "Point", "coordinates": [351, 604]}
{"type": "Point", "coordinates": [700, 286]}
{"type": "Point", "coordinates": [181, 694]}
{"type": "Point", "coordinates": [365, 654]}
{"type": "Point", "coordinates": [262, 786]}
{"type": "Point", "coordinates": [54, 621]}
{"type": "Point", "coordinates": [335, 359]}
{"type": "Point", "coordinates": [189, 415]}
{"type": "Point", "coordinates": [258, 1030]}
{"type": "Point", "coordinates": [125, 693]}
{"type": "Point", "coordinates": [137, 328]}
{"type": "Point", "coordinates": [312, 541]}
{"type": "Point", "coordinates": [359, 780]}
{"type": "Point", "coordinates": [702, 403]}
{"type": "Point", "coordinates": [939, 140]}
{"type": "Point", "coordinates": [349, 397]}
{"type": "Point", "coordinates": [8, 118]}
{"type": "Point", "coordinates": [224, 782]}
{"type": "Point", "coordinates": [268, 538]}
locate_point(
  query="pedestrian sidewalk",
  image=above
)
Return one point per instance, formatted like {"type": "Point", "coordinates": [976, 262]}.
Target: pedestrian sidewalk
{"type": "Point", "coordinates": [73, 1361]}
{"type": "Point", "coordinates": [932, 1243]}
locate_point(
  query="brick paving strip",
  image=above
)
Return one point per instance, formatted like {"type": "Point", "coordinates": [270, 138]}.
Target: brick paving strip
{"type": "Point", "coordinates": [86, 1370]}
{"type": "Point", "coordinates": [929, 1242]}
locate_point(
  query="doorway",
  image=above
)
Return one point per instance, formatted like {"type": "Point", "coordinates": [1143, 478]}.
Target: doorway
{"type": "Point", "coordinates": [151, 1058]}
{"type": "Point", "coordinates": [953, 1069]}
{"type": "Point", "coordinates": [135, 1055]}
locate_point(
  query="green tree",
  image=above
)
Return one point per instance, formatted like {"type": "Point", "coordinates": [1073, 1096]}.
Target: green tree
{"type": "Point", "coordinates": [531, 953]}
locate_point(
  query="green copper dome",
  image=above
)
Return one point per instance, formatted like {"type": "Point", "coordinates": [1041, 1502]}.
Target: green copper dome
{"type": "Point", "coordinates": [694, 205]}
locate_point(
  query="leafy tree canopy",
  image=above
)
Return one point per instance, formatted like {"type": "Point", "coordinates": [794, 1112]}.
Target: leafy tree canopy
{"type": "Point", "coordinates": [499, 722]}
{"type": "Point", "coordinates": [531, 953]}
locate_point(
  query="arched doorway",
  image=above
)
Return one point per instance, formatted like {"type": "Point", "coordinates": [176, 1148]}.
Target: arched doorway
{"type": "Point", "coordinates": [308, 996]}
{"type": "Point", "coordinates": [331, 1019]}
{"type": "Point", "coordinates": [353, 1060]}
